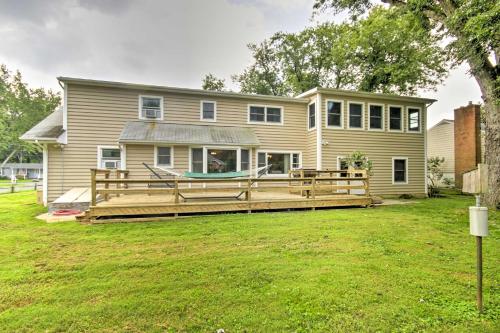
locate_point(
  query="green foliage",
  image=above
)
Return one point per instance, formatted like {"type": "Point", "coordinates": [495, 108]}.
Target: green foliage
{"type": "Point", "coordinates": [358, 160]}
{"type": "Point", "coordinates": [20, 109]}
{"type": "Point", "coordinates": [387, 52]}
{"type": "Point", "coordinates": [434, 174]}
{"type": "Point", "coordinates": [399, 268]}
{"type": "Point", "coordinates": [211, 82]}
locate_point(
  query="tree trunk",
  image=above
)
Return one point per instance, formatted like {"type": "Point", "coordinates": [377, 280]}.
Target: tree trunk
{"type": "Point", "coordinates": [492, 132]}
{"type": "Point", "coordinates": [8, 158]}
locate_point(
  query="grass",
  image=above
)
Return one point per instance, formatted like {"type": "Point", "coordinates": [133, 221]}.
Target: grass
{"type": "Point", "coordinates": [399, 268]}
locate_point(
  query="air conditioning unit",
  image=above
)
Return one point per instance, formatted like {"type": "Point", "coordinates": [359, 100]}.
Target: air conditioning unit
{"type": "Point", "coordinates": [150, 113]}
{"type": "Point", "coordinates": [111, 164]}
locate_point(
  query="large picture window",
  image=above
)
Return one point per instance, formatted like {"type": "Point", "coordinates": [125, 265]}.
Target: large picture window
{"type": "Point", "coordinates": [395, 118]}
{"type": "Point", "coordinates": [334, 113]}
{"type": "Point", "coordinates": [220, 159]}
{"type": "Point", "coordinates": [355, 115]}
{"type": "Point", "coordinates": [280, 163]}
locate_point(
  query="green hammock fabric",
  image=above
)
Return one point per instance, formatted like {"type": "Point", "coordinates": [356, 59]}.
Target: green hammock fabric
{"type": "Point", "coordinates": [200, 175]}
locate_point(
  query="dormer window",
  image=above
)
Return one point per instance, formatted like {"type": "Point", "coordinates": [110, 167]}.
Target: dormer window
{"type": "Point", "coordinates": [151, 107]}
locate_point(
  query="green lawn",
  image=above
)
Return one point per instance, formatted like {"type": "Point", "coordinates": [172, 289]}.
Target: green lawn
{"type": "Point", "coordinates": [399, 268]}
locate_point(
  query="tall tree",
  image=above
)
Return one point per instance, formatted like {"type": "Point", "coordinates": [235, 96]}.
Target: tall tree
{"type": "Point", "coordinates": [21, 108]}
{"type": "Point", "coordinates": [470, 31]}
{"type": "Point", "coordinates": [212, 82]}
{"type": "Point", "coordinates": [385, 52]}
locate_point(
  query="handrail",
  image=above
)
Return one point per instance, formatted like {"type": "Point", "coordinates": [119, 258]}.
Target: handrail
{"type": "Point", "coordinates": [232, 180]}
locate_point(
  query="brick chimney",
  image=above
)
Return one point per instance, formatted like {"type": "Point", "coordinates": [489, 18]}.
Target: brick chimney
{"type": "Point", "coordinates": [467, 140]}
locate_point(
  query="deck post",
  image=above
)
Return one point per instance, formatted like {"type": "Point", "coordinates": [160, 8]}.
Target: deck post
{"type": "Point", "coordinates": [93, 187]}
{"type": "Point", "coordinates": [106, 186]}
{"type": "Point", "coordinates": [249, 194]}
{"type": "Point", "coordinates": [176, 191]}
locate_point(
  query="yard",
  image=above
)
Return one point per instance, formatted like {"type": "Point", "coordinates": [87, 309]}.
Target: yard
{"type": "Point", "coordinates": [396, 268]}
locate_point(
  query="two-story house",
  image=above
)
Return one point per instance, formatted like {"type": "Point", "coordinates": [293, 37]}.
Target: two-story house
{"type": "Point", "coordinates": [121, 125]}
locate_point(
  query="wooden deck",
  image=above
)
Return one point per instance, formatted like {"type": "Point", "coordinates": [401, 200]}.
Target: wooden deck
{"type": "Point", "coordinates": [147, 199]}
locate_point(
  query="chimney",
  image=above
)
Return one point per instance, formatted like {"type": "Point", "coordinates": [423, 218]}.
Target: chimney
{"type": "Point", "coordinates": [467, 140]}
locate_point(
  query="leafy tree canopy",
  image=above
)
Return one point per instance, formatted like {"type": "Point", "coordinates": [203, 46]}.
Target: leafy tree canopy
{"type": "Point", "coordinates": [389, 51]}
{"type": "Point", "coordinates": [211, 82]}
{"type": "Point", "coordinates": [21, 108]}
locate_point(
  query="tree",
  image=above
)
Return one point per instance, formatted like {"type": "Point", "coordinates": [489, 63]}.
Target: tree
{"type": "Point", "coordinates": [211, 82]}
{"type": "Point", "coordinates": [434, 174]}
{"type": "Point", "coordinates": [385, 52]}
{"type": "Point", "coordinates": [20, 109]}
{"type": "Point", "coordinates": [472, 26]}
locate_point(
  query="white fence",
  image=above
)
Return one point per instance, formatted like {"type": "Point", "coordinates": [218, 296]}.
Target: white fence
{"type": "Point", "coordinates": [19, 187]}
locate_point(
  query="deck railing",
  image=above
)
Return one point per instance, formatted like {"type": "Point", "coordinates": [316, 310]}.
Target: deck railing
{"type": "Point", "coordinates": [308, 187]}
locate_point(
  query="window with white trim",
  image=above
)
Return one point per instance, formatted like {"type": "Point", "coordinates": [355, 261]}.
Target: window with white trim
{"type": "Point", "coordinates": [395, 118]}
{"type": "Point", "coordinates": [245, 160]}
{"type": "Point", "coordinates": [151, 107]}
{"type": "Point", "coordinates": [265, 114]}
{"type": "Point", "coordinates": [400, 170]}
{"type": "Point", "coordinates": [208, 110]}
{"type": "Point", "coordinates": [334, 113]}
{"type": "Point", "coordinates": [311, 116]}
{"type": "Point", "coordinates": [212, 159]}
{"type": "Point", "coordinates": [109, 158]}
{"type": "Point", "coordinates": [355, 115]}
{"type": "Point", "coordinates": [413, 119]}
{"type": "Point", "coordinates": [279, 163]}
{"type": "Point", "coordinates": [163, 156]}
{"type": "Point", "coordinates": [376, 116]}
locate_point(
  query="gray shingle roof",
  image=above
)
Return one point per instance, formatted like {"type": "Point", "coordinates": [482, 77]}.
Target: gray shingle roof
{"type": "Point", "coordinates": [48, 129]}
{"type": "Point", "coordinates": [157, 132]}
{"type": "Point", "coordinates": [23, 165]}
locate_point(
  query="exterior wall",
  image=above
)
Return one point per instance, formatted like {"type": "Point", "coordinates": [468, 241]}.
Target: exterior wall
{"type": "Point", "coordinates": [379, 146]}
{"type": "Point", "coordinates": [467, 140]}
{"type": "Point", "coordinates": [97, 115]}
{"type": "Point", "coordinates": [441, 143]}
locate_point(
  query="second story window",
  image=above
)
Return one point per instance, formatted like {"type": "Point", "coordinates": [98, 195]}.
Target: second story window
{"type": "Point", "coordinates": [355, 115]}
{"type": "Point", "coordinates": [413, 120]}
{"type": "Point", "coordinates": [395, 118]}
{"type": "Point", "coordinates": [311, 116]}
{"type": "Point", "coordinates": [208, 111]}
{"type": "Point", "coordinates": [376, 116]}
{"type": "Point", "coordinates": [265, 114]}
{"type": "Point", "coordinates": [334, 114]}
{"type": "Point", "coordinates": [151, 107]}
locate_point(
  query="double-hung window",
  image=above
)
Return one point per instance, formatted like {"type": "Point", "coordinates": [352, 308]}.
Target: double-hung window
{"type": "Point", "coordinates": [334, 114]}
{"type": "Point", "coordinates": [265, 114]}
{"type": "Point", "coordinates": [400, 170]}
{"type": "Point", "coordinates": [279, 163]}
{"type": "Point", "coordinates": [355, 115]}
{"type": "Point", "coordinates": [164, 157]}
{"type": "Point", "coordinates": [108, 157]}
{"type": "Point", "coordinates": [311, 116]}
{"type": "Point", "coordinates": [151, 107]}
{"type": "Point", "coordinates": [395, 118]}
{"type": "Point", "coordinates": [208, 110]}
{"type": "Point", "coordinates": [376, 116]}
{"type": "Point", "coordinates": [414, 120]}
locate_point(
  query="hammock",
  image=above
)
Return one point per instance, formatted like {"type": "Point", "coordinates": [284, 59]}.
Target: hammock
{"type": "Point", "coordinates": [216, 175]}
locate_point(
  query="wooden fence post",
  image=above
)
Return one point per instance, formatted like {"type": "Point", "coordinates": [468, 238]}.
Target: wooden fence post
{"type": "Point", "coordinates": [249, 194]}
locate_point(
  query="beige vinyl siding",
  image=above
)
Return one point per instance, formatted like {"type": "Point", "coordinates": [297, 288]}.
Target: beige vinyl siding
{"type": "Point", "coordinates": [441, 142]}
{"type": "Point", "coordinates": [97, 115]}
{"type": "Point", "coordinates": [379, 146]}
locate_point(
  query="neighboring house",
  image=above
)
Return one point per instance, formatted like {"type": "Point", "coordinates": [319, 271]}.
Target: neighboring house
{"type": "Point", "coordinates": [441, 143]}
{"type": "Point", "coordinates": [22, 170]}
{"type": "Point", "coordinates": [120, 125]}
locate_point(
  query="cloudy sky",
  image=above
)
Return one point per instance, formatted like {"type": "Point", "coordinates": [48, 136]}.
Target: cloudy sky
{"type": "Point", "coordinates": [171, 43]}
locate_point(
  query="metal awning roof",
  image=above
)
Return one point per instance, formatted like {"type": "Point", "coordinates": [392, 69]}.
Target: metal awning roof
{"type": "Point", "coordinates": [49, 129]}
{"type": "Point", "coordinates": [159, 132]}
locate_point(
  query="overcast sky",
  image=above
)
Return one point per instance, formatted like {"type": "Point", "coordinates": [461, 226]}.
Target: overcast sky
{"type": "Point", "coordinates": [171, 43]}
